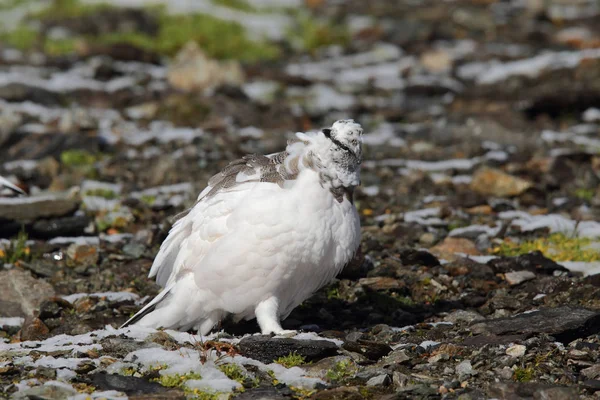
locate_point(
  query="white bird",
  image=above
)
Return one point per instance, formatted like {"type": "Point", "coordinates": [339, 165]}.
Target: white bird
{"type": "Point", "coordinates": [264, 235]}
{"type": "Point", "coordinates": [5, 183]}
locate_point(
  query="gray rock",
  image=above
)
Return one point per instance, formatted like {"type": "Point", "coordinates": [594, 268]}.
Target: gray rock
{"type": "Point", "coordinates": [518, 277]}
{"type": "Point", "coordinates": [21, 294]}
{"type": "Point", "coordinates": [564, 323]}
{"type": "Point", "coordinates": [267, 349]}
{"type": "Point", "coordinates": [129, 385]}
{"type": "Point", "coordinates": [33, 208]}
{"type": "Point", "coordinates": [592, 372]}
{"type": "Point", "coordinates": [379, 380]}
{"type": "Point", "coordinates": [463, 315]}
{"type": "Point", "coordinates": [46, 392]}
{"type": "Point", "coordinates": [464, 370]}
{"type": "Point", "coordinates": [371, 350]}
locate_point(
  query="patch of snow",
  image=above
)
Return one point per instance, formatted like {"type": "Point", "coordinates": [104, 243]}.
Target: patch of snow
{"type": "Point", "coordinates": [80, 240]}
{"type": "Point", "coordinates": [322, 98]}
{"type": "Point", "coordinates": [91, 185]}
{"type": "Point", "coordinates": [585, 268]}
{"type": "Point", "coordinates": [495, 71]}
{"type": "Point", "coordinates": [384, 134]}
{"type": "Point", "coordinates": [591, 115]}
{"type": "Point", "coordinates": [485, 229]}
{"type": "Point", "coordinates": [314, 336]}
{"type": "Point", "coordinates": [213, 379]}
{"type": "Point", "coordinates": [97, 203]}
{"type": "Point", "coordinates": [480, 259]}
{"type": "Point", "coordinates": [555, 222]}
{"type": "Point", "coordinates": [426, 216]}
{"type": "Point", "coordinates": [261, 91]}
{"type": "Point", "coordinates": [427, 344]}
{"type": "Point", "coordinates": [251, 132]}
{"type": "Point", "coordinates": [11, 321]}
{"type": "Point", "coordinates": [110, 296]}
{"type": "Point", "coordinates": [56, 363]}
{"type": "Point", "coordinates": [551, 137]}
{"type": "Point", "coordinates": [371, 191]}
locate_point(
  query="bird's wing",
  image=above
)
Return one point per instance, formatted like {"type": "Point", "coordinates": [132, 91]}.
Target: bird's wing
{"type": "Point", "coordinates": [8, 184]}
{"type": "Point", "coordinates": [206, 221]}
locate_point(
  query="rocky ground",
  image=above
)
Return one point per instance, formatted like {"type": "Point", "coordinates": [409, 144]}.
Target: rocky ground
{"type": "Point", "coordinates": [477, 275]}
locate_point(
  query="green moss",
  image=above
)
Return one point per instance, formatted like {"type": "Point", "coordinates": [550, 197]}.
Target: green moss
{"type": "Point", "coordinates": [302, 394]}
{"type": "Point", "coordinates": [333, 293]}
{"type": "Point", "coordinates": [218, 38]}
{"type": "Point", "coordinates": [197, 394]}
{"type": "Point", "coordinates": [59, 9]}
{"type": "Point", "coordinates": [177, 380]}
{"type": "Point", "coordinates": [313, 33]}
{"type": "Point", "coordinates": [585, 194]}
{"type": "Point", "coordinates": [557, 247]}
{"type": "Point", "coordinates": [233, 372]}
{"type": "Point", "coordinates": [77, 157]}
{"type": "Point", "coordinates": [523, 374]}
{"type": "Point", "coordinates": [105, 193]}
{"type": "Point", "coordinates": [22, 38]}
{"type": "Point", "coordinates": [241, 5]}
{"type": "Point", "coordinates": [150, 200]}
{"type": "Point", "coordinates": [17, 251]}
{"type": "Point", "coordinates": [291, 360]}
{"type": "Point", "coordinates": [341, 371]}
{"type": "Point", "coordinates": [58, 47]}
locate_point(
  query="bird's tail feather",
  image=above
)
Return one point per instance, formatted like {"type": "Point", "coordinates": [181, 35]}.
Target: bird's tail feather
{"type": "Point", "coordinates": [148, 308]}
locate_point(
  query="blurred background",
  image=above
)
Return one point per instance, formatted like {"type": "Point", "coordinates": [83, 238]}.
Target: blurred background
{"type": "Point", "coordinates": [482, 140]}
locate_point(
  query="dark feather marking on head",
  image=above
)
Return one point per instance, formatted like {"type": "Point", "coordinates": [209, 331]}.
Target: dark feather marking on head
{"type": "Point", "coordinates": [339, 144]}
{"type": "Point", "coordinates": [342, 192]}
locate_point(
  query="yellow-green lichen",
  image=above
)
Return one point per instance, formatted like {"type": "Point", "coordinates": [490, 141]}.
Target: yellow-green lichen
{"type": "Point", "coordinates": [291, 360]}
{"type": "Point", "coordinates": [557, 247]}
{"type": "Point", "coordinates": [341, 371]}
{"type": "Point", "coordinates": [177, 380]}
{"type": "Point", "coordinates": [523, 374]}
{"type": "Point", "coordinates": [233, 372]}
{"type": "Point", "coordinates": [218, 38]}
{"type": "Point", "coordinates": [77, 158]}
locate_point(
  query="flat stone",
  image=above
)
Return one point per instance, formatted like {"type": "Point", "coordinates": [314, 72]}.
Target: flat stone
{"type": "Point", "coordinates": [518, 277]}
{"type": "Point", "coordinates": [451, 245]}
{"type": "Point", "coordinates": [418, 257]}
{"type": "Point", "coordinates": [46, 392]}
{"type": "Point", "coordinates": [463, 316]}
{"type": "Point", "coordinates": [533, 262]}
{"type": "Point", "coordinates": [564, 323]}
{"type": "Point", "coordinates": [379, 380]}
{"type": "Point", "coordinates": [267, 349]}
{"type": "Point", "coordinates": [380, 283]}
{"type": "Point", "coordinates": [18, 287]}
{"type": "Point", "coordinates": [592, 372]}
{"type": "Point", "coordinates": [36, 207]}
{"type": "Point", "coordinates": [65, 226]}
{"type": "Point", "coordinates": [372, 350]}
{"type": "Point", "coordinates": [493, 182]}
{"type": "Point", "coordinates": [129, 385]}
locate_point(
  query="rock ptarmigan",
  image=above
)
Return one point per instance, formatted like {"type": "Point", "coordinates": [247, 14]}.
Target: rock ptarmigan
{"type": "Point", "coordinates": [263, 236]}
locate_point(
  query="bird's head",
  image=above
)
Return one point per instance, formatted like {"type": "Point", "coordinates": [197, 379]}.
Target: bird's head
{"type": "Point", "coordinates": [346, 136]}
{"type": "Point", "coordinates": [345, 151]}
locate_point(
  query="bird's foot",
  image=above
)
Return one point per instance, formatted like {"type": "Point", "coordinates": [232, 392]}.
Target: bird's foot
{"type": "Point", "coordinates": [286, 333]}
